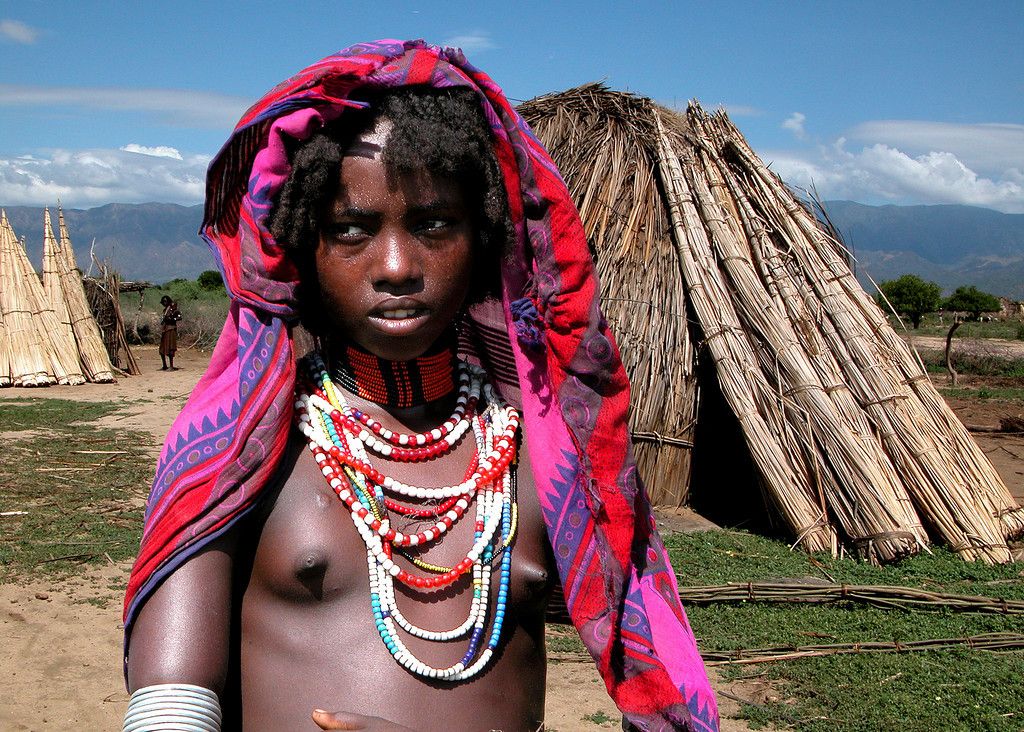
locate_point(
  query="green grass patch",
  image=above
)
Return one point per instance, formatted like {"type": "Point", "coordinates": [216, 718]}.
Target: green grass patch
{"type": "Point", "coordinates": [973, 364]}
{"type": "Point", "coordinates": [597, 717]}
{"type": "Point", "coordinates": [48, 414]}
{"type": "Point", "coordinates": [1005, 394]}
{"type": "Point", "coordinates": [79, 487]}
{"type": "Point", "coordinates": [203, 312]}
{"type": "Point", "coordinates": [1012, 329]}
{"type": "Point", "coordinates": [956, 689]}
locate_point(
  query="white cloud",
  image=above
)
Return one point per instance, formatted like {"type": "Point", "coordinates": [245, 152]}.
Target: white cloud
{"type": "Point", "coordinates": [795, 124]}
{"type": "Point", "coordinates": [84, 178]}
{"type": "Point", "coordinates": [987, 148]}
{"type": "Point", "coordinates": [742, 110]}
{"type": "Point", "coordinates": [177, 107]}
{"type": "Point", "coordinates": [160, 151]}
{"type": "Point", "coordinates": [18, 32]}
{"type": "Point", "coordinates": [881, 172]}
{"type": "Point", "coordinates": [470, 43]}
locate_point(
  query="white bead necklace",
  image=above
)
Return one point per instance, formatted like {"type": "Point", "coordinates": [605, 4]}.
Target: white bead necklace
{"type": "Point", "coordinates": [341, 438]}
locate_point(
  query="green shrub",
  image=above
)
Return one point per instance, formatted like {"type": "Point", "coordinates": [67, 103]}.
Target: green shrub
{"type": "Point", "coordinates": [203, 313]}
{"type": "Point", "coordinates": [211, 279]}
{"type": "Point", "coordinates": [972, 301]}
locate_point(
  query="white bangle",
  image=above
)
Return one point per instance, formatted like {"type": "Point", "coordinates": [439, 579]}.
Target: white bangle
{"type": "Point", "coordinates": [173, 706]}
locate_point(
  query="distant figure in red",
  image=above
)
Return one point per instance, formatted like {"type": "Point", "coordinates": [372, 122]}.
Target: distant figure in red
{"type": "Point", "coordinates": [169, 332]}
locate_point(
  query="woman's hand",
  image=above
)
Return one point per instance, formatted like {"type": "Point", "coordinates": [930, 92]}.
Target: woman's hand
{"type": "Point", "coordinates": [348, 720]}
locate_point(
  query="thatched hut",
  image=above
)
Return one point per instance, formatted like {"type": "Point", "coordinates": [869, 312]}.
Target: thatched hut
{"type": "Point", "coordinates": [104, 296]}
{"type": "Point", "coordinates": [28, 356]}
{"type": "Point", "coordinates": [726, 291]}
{"type": "Point", "coordinates": [48, 335]}
{"type": "Point", "coordinates": [91, 349]}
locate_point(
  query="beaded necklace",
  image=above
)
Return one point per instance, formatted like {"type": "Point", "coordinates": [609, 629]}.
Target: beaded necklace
{"type": "Point", "coordinates": [341, 439]}
{"type": "Point", "coordinates": [412, 383]}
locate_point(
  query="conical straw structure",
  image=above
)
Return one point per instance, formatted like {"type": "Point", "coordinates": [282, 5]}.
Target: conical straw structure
{"type": "Point", "coordinates": [94, 357]}
{"type": "Point", "coordinates": [849, 439]}
{"type": "Point", "coordinates": [29, 359]}
{"type": "Point", "coordinates": [54, 314]}
{"type": "Point", "coordinates": [617, 193]}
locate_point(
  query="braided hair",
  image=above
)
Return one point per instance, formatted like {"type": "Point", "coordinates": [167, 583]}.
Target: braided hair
{"type": "Point", "coordinates": [441, 131]}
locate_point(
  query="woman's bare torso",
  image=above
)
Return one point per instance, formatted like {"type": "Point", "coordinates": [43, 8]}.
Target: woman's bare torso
{"type": "Point", "coordinates": [308, 638]}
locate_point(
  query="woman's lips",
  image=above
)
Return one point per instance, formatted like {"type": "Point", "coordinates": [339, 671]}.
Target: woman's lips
{"type": "Point", "coordinates": [399, 321]}
{"type": "Point", "coordinates": [401, 314]}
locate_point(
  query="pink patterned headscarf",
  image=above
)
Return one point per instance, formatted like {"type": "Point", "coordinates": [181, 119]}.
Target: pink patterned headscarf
{"type": "Point", "coordinates": [225, 445]}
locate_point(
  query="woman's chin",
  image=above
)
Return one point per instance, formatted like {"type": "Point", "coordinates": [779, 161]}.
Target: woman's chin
{"type": "Point", "coordinates": [402, 328]}
{"type": "Point", "coordinates": [402, 340]}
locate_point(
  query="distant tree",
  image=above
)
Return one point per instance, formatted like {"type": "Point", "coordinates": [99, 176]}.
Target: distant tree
{"type": "Point", "coordinates": [972, 301]}
{"type": "Point", "coordinates": [910, 296]}
{"type": "Point", "coordinates": [211, 279]}
{"type": "Point", "coordinates": [968, 300]}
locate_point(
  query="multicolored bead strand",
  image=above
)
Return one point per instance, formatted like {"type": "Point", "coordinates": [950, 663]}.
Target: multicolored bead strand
{"type": "Point", "coordinates": [341, 438]}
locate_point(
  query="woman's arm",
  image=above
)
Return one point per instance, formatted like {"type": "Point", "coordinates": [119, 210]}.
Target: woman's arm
{"type": "Point", "coordinates": [182, 634]}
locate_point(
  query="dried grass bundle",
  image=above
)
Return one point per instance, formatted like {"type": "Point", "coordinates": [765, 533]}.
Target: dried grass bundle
{"type": "Point", "coordinates": [56, 319]}
{"type": "Point", "coordinates": [94, 357]}
{"type": "Point", "coordinates": [847, 434]}
{"type": "Point", "coordinates": [105, 303]}
{"type": "Point", "coordinates": [29, 359]}
{"type": "Point", "coordinates": [961, 497]}
{"type": "Point", "coordinates": [601, 143]}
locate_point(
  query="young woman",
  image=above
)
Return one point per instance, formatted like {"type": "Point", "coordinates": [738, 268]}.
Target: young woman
{"type": "Point", "coordinates": [168, 331]}
{"type": "Point", "coordinates": [374, 528]}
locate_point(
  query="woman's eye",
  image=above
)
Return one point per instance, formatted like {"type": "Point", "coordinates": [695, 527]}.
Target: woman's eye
{"type": "Point", "coordinates": [346, 230]}
{"type": "Point", "coordinates": [436, 225]}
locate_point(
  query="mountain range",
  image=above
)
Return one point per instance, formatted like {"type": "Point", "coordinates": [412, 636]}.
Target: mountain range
{"type": "Point", "coordinates": [949, 244]}
{"type": "Point", "coordinates": [155, 242]}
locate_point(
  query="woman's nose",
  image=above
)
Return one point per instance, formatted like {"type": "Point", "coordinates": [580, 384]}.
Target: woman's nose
{"type": "Point", "coordinates": [400, 268]}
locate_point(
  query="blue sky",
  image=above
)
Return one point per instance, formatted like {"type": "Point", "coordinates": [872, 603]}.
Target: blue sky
{"type": "Point", "coordinates": [878, 102]}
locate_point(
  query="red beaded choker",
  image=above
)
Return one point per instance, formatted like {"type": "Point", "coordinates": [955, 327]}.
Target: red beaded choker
{"type": "Point", "coordinates": [397, 383]}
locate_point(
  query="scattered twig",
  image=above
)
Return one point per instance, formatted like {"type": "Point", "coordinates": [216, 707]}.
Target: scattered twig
{"type": "Point", "coordinates": [68, 557]}
{"type": "Point", "coordinates": [994, 642]}
{"type": "Point", "coordinates": [891, 597]}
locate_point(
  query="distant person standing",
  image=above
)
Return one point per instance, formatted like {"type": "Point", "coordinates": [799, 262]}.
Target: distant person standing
{"type": "Point", "coordinates": [169, 332]}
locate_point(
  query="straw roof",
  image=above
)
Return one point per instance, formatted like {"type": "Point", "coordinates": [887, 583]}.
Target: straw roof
{"type": "Point", "coordinates": [706, 257]}
{"type": "Point", "coordinates": [93, 353]}
{"type": "Point", "coordinates": [29, 357]}
{"type": "Point", "coordinates": [40, 323]}
{"type": "Point", "coordinates": [61, 332]}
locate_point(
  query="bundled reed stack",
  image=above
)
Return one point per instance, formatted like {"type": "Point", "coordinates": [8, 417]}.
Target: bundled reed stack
{"type": "Point", "coordinates": [848, 436]}
{"type": "Point", "coordinates": [601, 144]}
{"type": "Point", "coordinates": [30, 358]}
{"type": "Point", "coordinates": [6, 286]}
{"type": "Point", "coordinates": [66, 249]}
{"type": "Point", "coordinates": [104, 294]}
{"type": "Point", "coordinates": [58, 319]}
{"type": "Point", "coordinates": [93, 354]}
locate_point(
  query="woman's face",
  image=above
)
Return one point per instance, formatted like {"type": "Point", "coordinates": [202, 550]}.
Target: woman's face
{"type": "Point", "coordinates": [393, 262]}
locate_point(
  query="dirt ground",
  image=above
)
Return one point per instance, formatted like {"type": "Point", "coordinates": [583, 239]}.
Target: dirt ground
{"type": "Point", "coordinates": [60, 662]}
{"type": "Point", "coordinates": [1004, 450]}
{"type": "Point", "coordinates": [980, 346]}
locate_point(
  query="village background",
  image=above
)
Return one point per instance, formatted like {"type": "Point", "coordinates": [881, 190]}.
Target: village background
{"type": "Point", "coordinates": [905, 122]}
